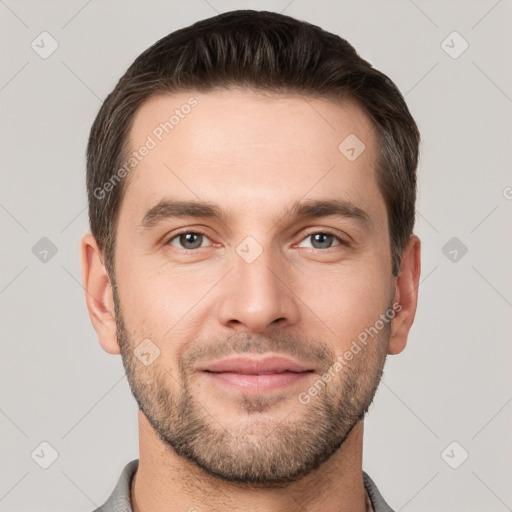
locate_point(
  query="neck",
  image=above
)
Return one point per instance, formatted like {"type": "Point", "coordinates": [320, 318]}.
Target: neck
{"type": "Point", "coordinates": [165, 480]}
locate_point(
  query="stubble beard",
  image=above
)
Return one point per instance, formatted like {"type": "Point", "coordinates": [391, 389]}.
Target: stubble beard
{"type": "Point", "coordinates": [267, 450]}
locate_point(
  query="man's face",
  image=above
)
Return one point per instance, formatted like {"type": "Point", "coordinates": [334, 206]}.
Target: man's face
{"type": "Point", "coordinates": [259, 281]}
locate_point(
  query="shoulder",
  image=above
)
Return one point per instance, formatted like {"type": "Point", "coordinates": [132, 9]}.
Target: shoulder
{"type": "Point", "coordinates": [378, 502]}
{"type": "Point", "coordinates": [119, 500]}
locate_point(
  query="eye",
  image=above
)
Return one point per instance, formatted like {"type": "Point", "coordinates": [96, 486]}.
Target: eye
{"type": "Point", "coordinates": [323, 240]}
{"type": "Point", "coordinates": [188, 240]}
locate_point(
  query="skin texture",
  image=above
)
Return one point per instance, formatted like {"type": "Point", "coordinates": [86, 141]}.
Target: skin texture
{"type": "Point", "coordinates": [203, 444]}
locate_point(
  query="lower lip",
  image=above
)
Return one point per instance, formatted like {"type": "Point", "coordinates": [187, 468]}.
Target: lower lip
{"type": "Point", "coordinates": [258, 383]}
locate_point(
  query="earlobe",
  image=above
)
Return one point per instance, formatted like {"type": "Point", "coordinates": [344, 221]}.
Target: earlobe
{"type": "Point", "coordinates": [406, 295]}
{"type": "Point", "coordinates": [98, 294]}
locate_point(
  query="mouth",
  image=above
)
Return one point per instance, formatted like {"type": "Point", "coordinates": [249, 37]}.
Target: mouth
{"type": "Point", "coordinates": [256, 375]}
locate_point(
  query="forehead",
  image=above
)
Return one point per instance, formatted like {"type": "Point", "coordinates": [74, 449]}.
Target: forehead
{"type": "Point", "coordinates": [251, 150]}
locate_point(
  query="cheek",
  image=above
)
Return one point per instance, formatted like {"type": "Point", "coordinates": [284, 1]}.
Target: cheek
{"type": "Point", "coordinates": [347, 300]}
{"type": "Point", "coordinates": [161, 306]}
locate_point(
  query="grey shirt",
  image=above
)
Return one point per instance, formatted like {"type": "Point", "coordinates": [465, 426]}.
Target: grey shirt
{"type": "Point", "coordinates": [119, 500]}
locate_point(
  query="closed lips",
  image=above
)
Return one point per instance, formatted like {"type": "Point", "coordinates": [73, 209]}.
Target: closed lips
{"type": "Point", "coordinates": [249, 366]}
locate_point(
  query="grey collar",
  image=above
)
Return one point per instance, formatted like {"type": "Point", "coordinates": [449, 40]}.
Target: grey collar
{"type": "Point", "coordinates": [119, 500]}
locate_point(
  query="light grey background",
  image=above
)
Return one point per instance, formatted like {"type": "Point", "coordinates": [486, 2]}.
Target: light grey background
{"type": "Point", "coordinates": [452, 383]}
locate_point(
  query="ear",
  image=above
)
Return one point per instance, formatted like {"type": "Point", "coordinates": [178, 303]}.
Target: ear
{"type": "Point", "coordinates": [98, 294]}
{"type": "Point", "coordinates": [406, 295]}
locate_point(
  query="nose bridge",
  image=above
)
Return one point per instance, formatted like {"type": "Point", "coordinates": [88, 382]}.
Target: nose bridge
{"type": "Point", "coordinates": [256, 293]}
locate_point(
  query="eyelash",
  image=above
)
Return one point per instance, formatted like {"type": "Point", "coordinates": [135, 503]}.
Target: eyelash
{"type": "Point", "coordinates": [199, 232]}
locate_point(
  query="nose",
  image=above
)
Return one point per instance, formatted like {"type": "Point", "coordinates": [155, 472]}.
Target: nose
{"type": "Point", "coordinates": [258, 295]}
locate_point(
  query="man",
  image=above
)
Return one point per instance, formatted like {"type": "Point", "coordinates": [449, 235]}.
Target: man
{"type": "Point", "coordinates": [251, 185]}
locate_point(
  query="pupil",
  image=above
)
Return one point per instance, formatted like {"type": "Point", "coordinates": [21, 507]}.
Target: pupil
{"type": "Point", "coordinates": [188, 238]}
{"type": "Point", "coordinates": [323, 239]}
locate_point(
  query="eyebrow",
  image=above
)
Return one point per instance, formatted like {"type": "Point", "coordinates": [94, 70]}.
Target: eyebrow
{"type": "Point", "coordinates": [171, 208]}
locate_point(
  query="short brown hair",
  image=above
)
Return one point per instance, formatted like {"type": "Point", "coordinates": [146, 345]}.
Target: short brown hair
{"type": "Point", "coordinates": [264, 51]}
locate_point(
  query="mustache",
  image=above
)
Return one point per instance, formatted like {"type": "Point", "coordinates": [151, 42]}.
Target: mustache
{"type": "Point", "coordinates": [319, 354]}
